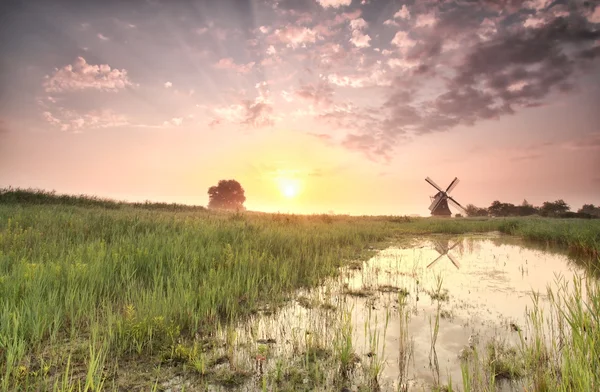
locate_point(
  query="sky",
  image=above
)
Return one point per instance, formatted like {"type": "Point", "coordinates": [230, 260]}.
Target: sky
{"type": "Point", "coordinates": [314, 106]}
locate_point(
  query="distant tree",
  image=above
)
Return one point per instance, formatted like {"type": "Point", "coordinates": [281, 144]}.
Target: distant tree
{"type": "Point", "coordinates": [502, 209]}
{"type": "Point", "coordinates": [554, 208]}
{"type": "Point", "coordinates": [526, 209]}
{"type": "Point", "coordinates": [473, 210]}
{"type": "Point", "coordinates": [227, 194]}
{"type": "Point", "coordinates": [590, 209]}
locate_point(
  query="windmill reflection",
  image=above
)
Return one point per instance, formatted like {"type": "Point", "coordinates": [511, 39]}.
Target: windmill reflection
{"type": "Point", "coordinates": [443, 248]}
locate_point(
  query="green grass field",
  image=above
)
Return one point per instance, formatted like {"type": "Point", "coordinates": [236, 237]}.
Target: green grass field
{"type": "Point", "coordinates": [100, 296]}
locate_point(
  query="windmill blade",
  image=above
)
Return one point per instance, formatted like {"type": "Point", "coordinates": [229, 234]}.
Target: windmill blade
{"type": "Point", "coordinates": [453, 246]}
{"type": "Point", "coordinates": [453, 260]}
{"type": "Point", "coordinates": [439, 247]}
{"type": "Point", "coordinates": [435, 261]}
{"type": "Point", "coordinates": [435, 202]}
{"type": "Point", "coordinates": [452, 185]}
{"type": "Point", "coordinates": [457, 204]}
{"type": "Point", "coordinates": [429, 180]}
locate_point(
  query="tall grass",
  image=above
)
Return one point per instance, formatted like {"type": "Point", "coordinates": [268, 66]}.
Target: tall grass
{"type": "Point", "coordinates": [88, 285]}
{"type": "Point", "coordinates": [559, 349]}
{"type": "Point", "coordinates": [145, 279]}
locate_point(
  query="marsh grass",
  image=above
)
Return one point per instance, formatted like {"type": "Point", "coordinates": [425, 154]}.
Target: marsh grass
{"type": "Point", "coordinates": [90, 288]}
{"type": "Point", "coordinates": [558, 349]}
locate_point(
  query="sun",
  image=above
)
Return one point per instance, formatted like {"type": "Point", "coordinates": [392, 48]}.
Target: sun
{"type": "Point", "coordinates": [289, 187]}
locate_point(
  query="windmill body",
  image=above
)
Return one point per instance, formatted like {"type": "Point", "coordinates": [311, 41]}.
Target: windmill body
{"type": "Point", "coordinates": [439, 202]}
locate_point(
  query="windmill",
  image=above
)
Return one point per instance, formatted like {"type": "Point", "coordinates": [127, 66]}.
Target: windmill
{"type": "Point", "coordinates": [439, 202]}
{"type": "Point", "coordinates": [443, 250]}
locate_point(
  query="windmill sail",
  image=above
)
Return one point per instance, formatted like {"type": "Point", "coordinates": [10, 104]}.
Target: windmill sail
{"type": "Point", "coordinates": [439, 202]}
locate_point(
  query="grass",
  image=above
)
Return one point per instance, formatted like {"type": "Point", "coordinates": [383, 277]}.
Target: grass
{"type": "Point", "coordinates": [92, 291]}
{"type": "Point", "coordinates": [558, 352]}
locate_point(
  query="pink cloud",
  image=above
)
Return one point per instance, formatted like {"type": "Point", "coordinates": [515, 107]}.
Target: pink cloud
{"type": "Point", "coordinates": [359, 39]}
{"type": "Point", "coordinates": [370, 77]}
{"type": "Point", "coordinates": [537, 4]}
{"type": "Point", "coordinates": [69, 120]}
{"type": "Point", "coordinates": [175, 121]}
{"type": "Point", "coordinates": [589, 141]}
{"type": "Point", "coordinates": [334, 3]}
{"type": "Point", "coordinates": [533, 22]}
{"type": "Point", "coordinates": [402, 40]}
{"type": "Point", "coordinates": [595, 16]}
{"type": "Point", "coordinates": [402, 63]}
{"type": "Point", "coordinates": [403, 13]}
{"type": "Point", "coordinates": [426, 20]}
{"type": "Point", "coordinates": [229, 64]}
{"type": "Point", "coordinates": [81, 76]}
{"type": "Point", "coordinates": [257, 112]}
{"type": "Point", "coordinates": [294, 36]}
{"type": "Point", "coordinates": [487, 29]}
{"type": "Point", "coordinates": [358, 24]}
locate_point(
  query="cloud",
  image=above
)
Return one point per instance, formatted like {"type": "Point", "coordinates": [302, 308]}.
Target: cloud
{"type": "Point", "coordinates": [403, 13]}
{"type": "Point", "coordinates": [255, 113]}
{"type": "Point", "coordinates": [271, 50]}
{"type": "Point", "coordinates": [374, 146]}
{"type": "Point", "coordinates": [102, 37]}
{"type": "Point", "coordinates": [81, 76]}
{"type": "Point", "coordinates": [402, 40]}
{"type": "Point", "coordinates": [358, 24]}
{"type": "Point", "coordinates": [594, 17]}
{"type": "Point", "coordinates": [375, 75]}
{"type": "Point", "coordinates": [396, 63]}
{"type": "Point", "coordinates": [533, 22]}
{"type": "Point", "coordinates": [426, 20]}
{"type": "Point", "coordinates": [69, 120]}
{"type": "Point", "coordinates": [537, 4]}
{"type": "Point", "coordinates": [228, 64]}
{"type": "Point", "coordinates": [487, 29]}
{"type": "Point", "coordinates": [512, 70]}
{"type": "Point", "coordinates": [319, 94]}
{"type": "Point", "coordinates": [294, 36]}
{"type": "Point", "coordinates": [359, 39]}
{"type": "Point", "coordinates": [175, 121]}
{"type": "Point", "coordinates": [168, 84]}
{"type": "Point", "coordinates": [590, 141]}
{"type": "Point", "coordinates": [334, 3]}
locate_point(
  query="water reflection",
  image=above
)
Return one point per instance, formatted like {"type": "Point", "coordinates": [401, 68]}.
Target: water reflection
{"type": "Point", "coordinates": [485, 295]}
{"type": "Point", "coordinates": [456, 291]}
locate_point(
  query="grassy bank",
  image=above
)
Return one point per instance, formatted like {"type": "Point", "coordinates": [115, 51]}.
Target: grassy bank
{"type": "Point", "coordinates": [558, 351]}
{"type": "Point", "coordinates": [93, 296]}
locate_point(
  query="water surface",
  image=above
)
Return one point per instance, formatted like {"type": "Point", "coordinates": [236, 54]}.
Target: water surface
{"type": "Point", "coordinates": [481, 286]}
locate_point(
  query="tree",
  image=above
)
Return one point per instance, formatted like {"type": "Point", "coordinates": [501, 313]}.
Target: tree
{"type": "Point", "coordinates": [554, 208]}
{"type": "Point", "coordinates": [502, 209]}
{"type": "Point", "coordinates": [473, 210]}
{"type": "Point", "coordinates": [228, 195]}
{"type": "Point", "coordinates": [526, 209]}
{"type": "Point", "coordinates": [590, 209]}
